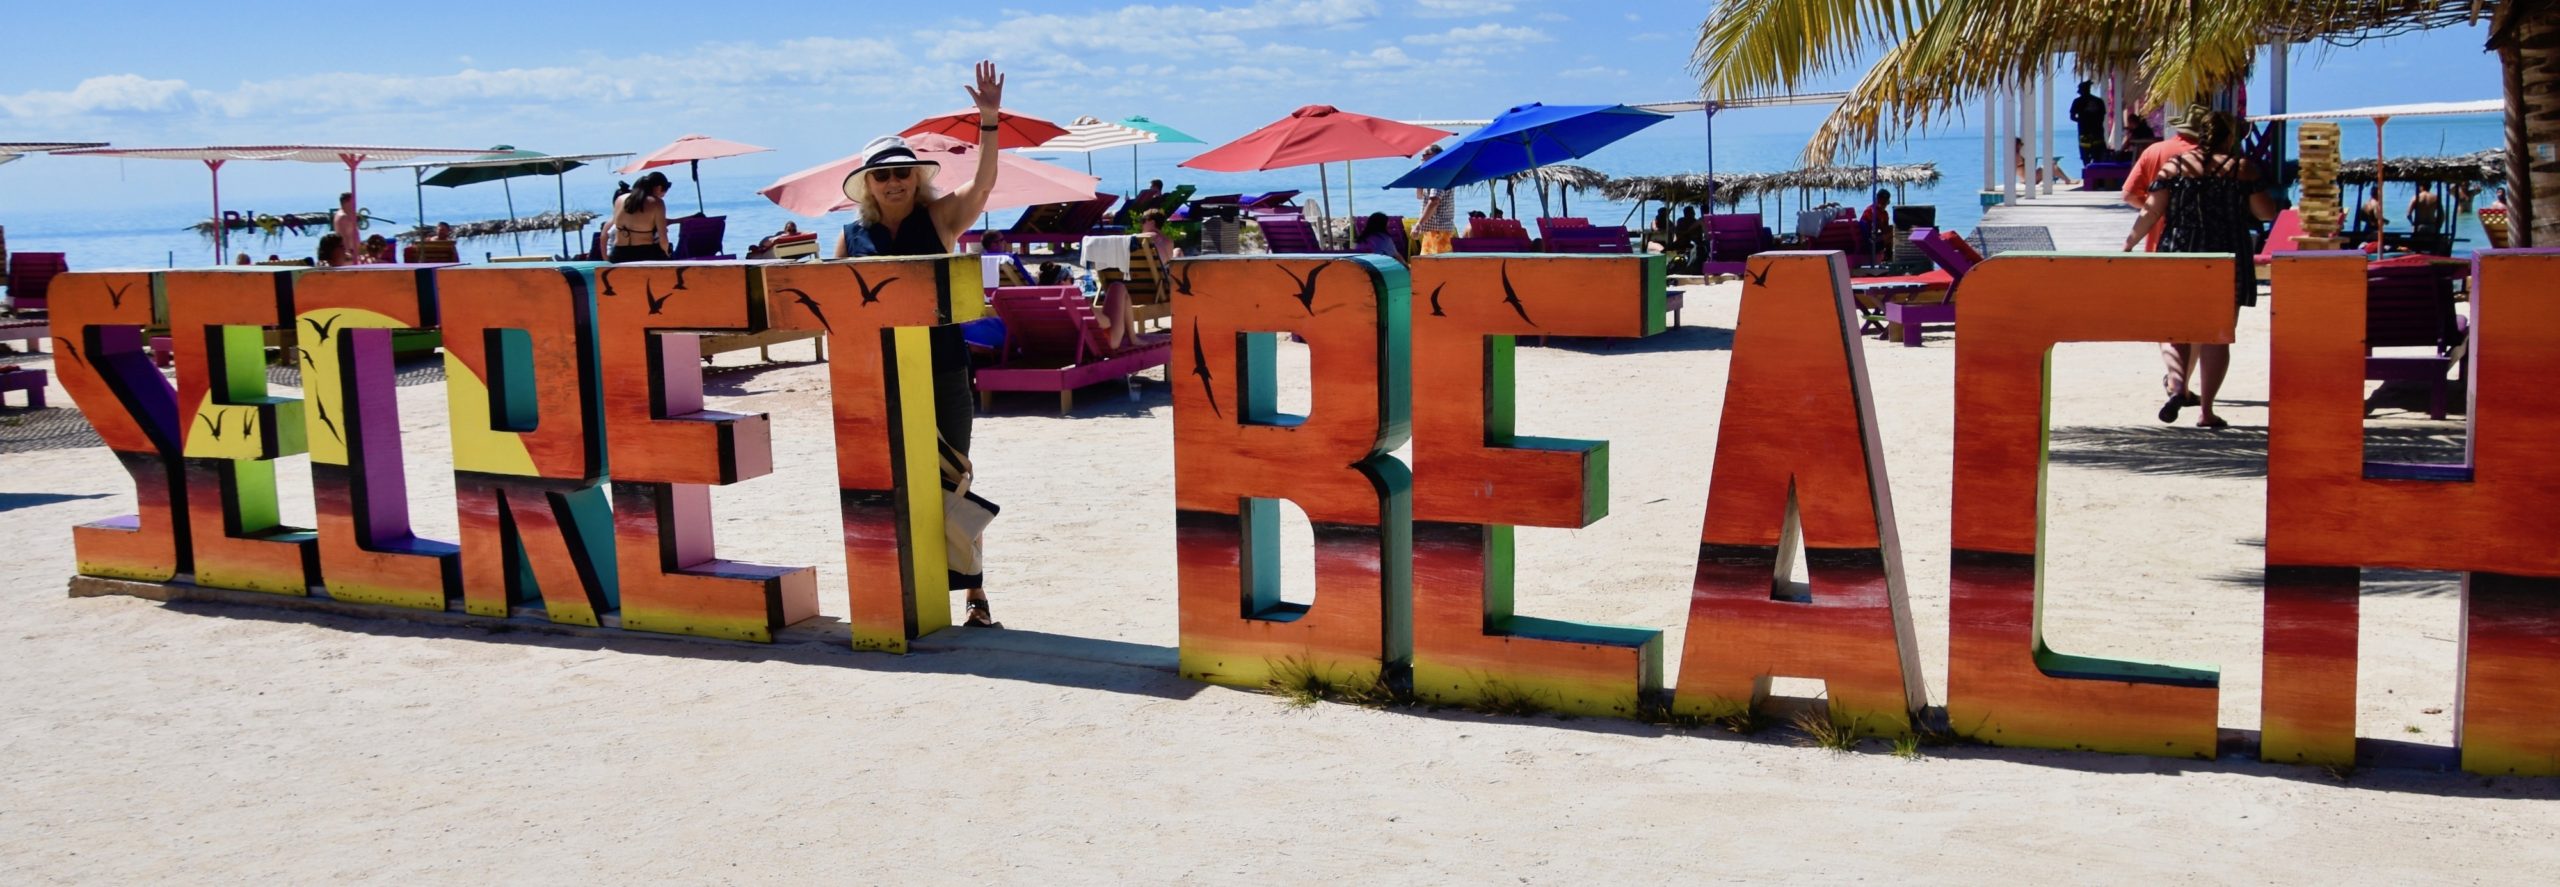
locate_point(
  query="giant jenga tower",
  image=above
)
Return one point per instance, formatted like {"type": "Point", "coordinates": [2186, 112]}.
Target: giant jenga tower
{"type": "Point", "coordinates": [2318, 149]}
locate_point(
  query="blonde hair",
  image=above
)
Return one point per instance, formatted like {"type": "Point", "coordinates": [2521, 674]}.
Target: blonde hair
{"type": "Point", "coordinates": [869, 209]}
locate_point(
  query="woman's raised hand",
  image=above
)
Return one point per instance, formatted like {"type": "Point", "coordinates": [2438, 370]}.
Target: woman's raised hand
{"type": "Point", "coordinates": [989, 93]}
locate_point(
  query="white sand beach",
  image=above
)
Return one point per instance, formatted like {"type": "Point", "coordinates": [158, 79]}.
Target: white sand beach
{"type": "Point", "coordinates": [142, 742]}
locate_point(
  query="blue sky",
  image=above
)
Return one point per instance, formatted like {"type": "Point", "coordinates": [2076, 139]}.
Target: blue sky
{"type": "Point", "coordinates": [815, 84]}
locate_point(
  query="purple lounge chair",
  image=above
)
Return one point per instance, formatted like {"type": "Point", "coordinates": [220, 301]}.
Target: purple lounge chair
{"type": "Point", "coordinates": [1287, 234]}
{"type": "Point", "coordinates": [1053, 342]}
{"type": "Point", "coordinates": [698, 237]}
{"type": "Point", "coordinates": [1911, 317]}
{"type": "Point", "coordinates": [29, 381]}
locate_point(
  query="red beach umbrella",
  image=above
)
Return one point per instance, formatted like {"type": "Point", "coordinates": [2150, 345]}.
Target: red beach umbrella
{"type": "Point", "coordinates": [1020, 181]}
{"type": "Point", "coordinates": [1318, 134]}
{"type": "Point", "coordinates": [692, 150]}
{"type": "Point", "coordinates": [1012, 130]}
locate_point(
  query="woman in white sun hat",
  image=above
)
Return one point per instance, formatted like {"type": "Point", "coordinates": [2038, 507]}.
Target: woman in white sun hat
{"type": "Point", "coordinates": [902, 216]}
{"type": "Point", "coordinates": [893, 190]}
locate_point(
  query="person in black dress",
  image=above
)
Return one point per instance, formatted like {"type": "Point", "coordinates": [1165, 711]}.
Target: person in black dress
{"type": "Point", "coordinates": [902, 216]}
{"type": "Point", "coordinates": [2205, 200]}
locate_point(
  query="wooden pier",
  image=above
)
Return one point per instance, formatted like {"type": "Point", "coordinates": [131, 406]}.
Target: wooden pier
{"type": "Point", "coordinates": [2081, 221]}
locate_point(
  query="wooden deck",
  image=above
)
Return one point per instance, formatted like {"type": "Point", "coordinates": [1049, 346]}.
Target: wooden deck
{"type": "Point", "coordinates": [2081, 221]}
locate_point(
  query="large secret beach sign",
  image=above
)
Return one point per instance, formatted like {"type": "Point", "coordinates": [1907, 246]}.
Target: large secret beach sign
{"type": "Point", "coordinates": [583, 456]}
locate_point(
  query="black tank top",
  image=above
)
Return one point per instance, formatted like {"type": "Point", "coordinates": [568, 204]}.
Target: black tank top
{"type": "Point", "coordinates": [916, 236]}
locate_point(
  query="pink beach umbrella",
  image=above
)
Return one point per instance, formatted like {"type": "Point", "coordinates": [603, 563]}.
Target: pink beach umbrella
{"type": "Point", "coordinates": [1020, 181]}
{"type": "Point", "coordinates": [691, 150]}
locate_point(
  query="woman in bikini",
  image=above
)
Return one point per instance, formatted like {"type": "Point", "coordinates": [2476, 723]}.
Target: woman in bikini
{"type": "Point", "coordinates": [640, 222]}
{"type": "Point", "coordinates": [902, 216]}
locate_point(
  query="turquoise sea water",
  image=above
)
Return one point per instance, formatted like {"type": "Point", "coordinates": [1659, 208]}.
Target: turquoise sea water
{"type": "Point", "coordinates": [152, 234]}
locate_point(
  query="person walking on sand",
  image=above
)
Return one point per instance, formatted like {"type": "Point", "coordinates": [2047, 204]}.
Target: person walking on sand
{"type": "Point", "coordinates": [900, 215]}
{"type": "Point", "coordinates": [2204, 201]}
{"type": "Point", "coordinates": [1439, 225]}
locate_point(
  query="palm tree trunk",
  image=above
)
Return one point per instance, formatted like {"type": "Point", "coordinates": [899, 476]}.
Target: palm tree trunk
{"type": "Point", "coordinates": [2533, 131]}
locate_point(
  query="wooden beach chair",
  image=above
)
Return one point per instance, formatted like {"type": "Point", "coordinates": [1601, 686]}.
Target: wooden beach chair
{"type": "Point", "coordinates": [1053, 342]}
{"type": "Point", "coordinates": [1148, 299]}
{"type": "Point", "coordinates": [1073, 226]}
{"type": "Point", "coordinates": [797, 246]}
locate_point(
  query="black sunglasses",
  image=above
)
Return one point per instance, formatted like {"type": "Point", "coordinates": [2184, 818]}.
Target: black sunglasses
{"type": "Point", "coordinates": [891, 174]}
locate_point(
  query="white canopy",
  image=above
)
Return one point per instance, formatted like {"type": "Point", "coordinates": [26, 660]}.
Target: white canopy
{"type": "Point", "coordinates": [347, 154]}
{"type": "Point", "coordinates": [2419, 109]}
{"type": "Point", "coordinates": [1088, 133]}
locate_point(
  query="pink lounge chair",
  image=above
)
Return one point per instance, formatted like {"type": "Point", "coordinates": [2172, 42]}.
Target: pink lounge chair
{"type": "Point", "coordinates": [1053, 342]}
{"type": "Point", "coordinates": [1587, 239]}
{"type": "Point", "coordinates": [1496, 228]}
{"type": "Point", "coordinates": [1492, 245]}
{"type": "Point", "coordinates": [30, 277]}
{"type": "Point", "coordinates": [1284, 234]}
{"type": "Point", "coordinates": [2280, 239]}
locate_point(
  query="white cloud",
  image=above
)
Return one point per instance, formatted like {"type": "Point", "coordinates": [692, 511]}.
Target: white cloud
{"type": "Point", "coordinates": [1595, 71]}
{"type": "Point", "coordinates": [1455, 8]}
{"type": "Point", "coordinates": [112, 94]}
{"type": "Point", "coordinates": [1487, 37]}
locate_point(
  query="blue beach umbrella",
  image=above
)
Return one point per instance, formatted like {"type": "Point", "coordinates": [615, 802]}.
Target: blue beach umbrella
{"type": "Point", "coordinates": [1525, 138]}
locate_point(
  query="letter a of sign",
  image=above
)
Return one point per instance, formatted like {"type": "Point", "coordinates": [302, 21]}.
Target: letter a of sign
{"type": "Point", "coordinates": [2003, 685]}
{"type": "Point", "coordinates": [2493, 519]}
{"type": "Point", "coordinates": [1475, 479]}
{"type": "Point", "coordinates": [1235, 455]}
{"type": "Point", "coordinates": [1799, 460]}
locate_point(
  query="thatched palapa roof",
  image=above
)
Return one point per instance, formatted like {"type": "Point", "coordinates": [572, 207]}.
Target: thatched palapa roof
{"type": "Point", "coordinates": [1730, 189]}
{"type": "Point", "coordinates": [2478, 166]}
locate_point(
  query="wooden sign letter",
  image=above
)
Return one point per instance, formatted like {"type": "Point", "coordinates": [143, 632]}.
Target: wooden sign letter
{"type": "Point", "coordinates": [1799, 463]}
{"type": "Point", "coordinates": [884, 319]}
{"type": "Point", "coordinates": [346, 321]}
{"type": "Point", "coordinates": [1235, 456]}
{"type": "Point", "coordinates": [2330, 512]}
{"type": "Point", "coordinates": [667, 452]}
{"type": "Point", "coordinates": [98, 318]}
{"type": "Point", "coordinates": [234, 431]}
{"type": "Point", "coordinates": [1475, 479]}
{"type": "Point", "coordinates": [522, 390]}
{"type": "Point", "coordinates": [2004, 686]}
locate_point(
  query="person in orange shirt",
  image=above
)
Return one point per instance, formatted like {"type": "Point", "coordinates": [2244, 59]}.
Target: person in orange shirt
{"type": "Point", "coordinates": [2137, 183]}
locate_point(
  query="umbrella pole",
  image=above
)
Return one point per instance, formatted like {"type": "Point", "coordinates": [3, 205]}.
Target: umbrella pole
{"type": "Point", "coordinates": [221, 235]}
{"type": "Point", "coordinates": [1711, 177]}
{"type": "Point", "coordinates": [1324, 190]}
{"type": "Point", "coordinates": [1133, 167]}
{"type": "Point", "coordinates": [509, 184]}
{"type": "Point", "coordinates": [1350, 200]}
{"type": "Point", "coordinates": [560, 183]}
{"type": "Point", "coordinates": [418, 180]}
{"type": "Point", "coordinates": [696, 166]}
